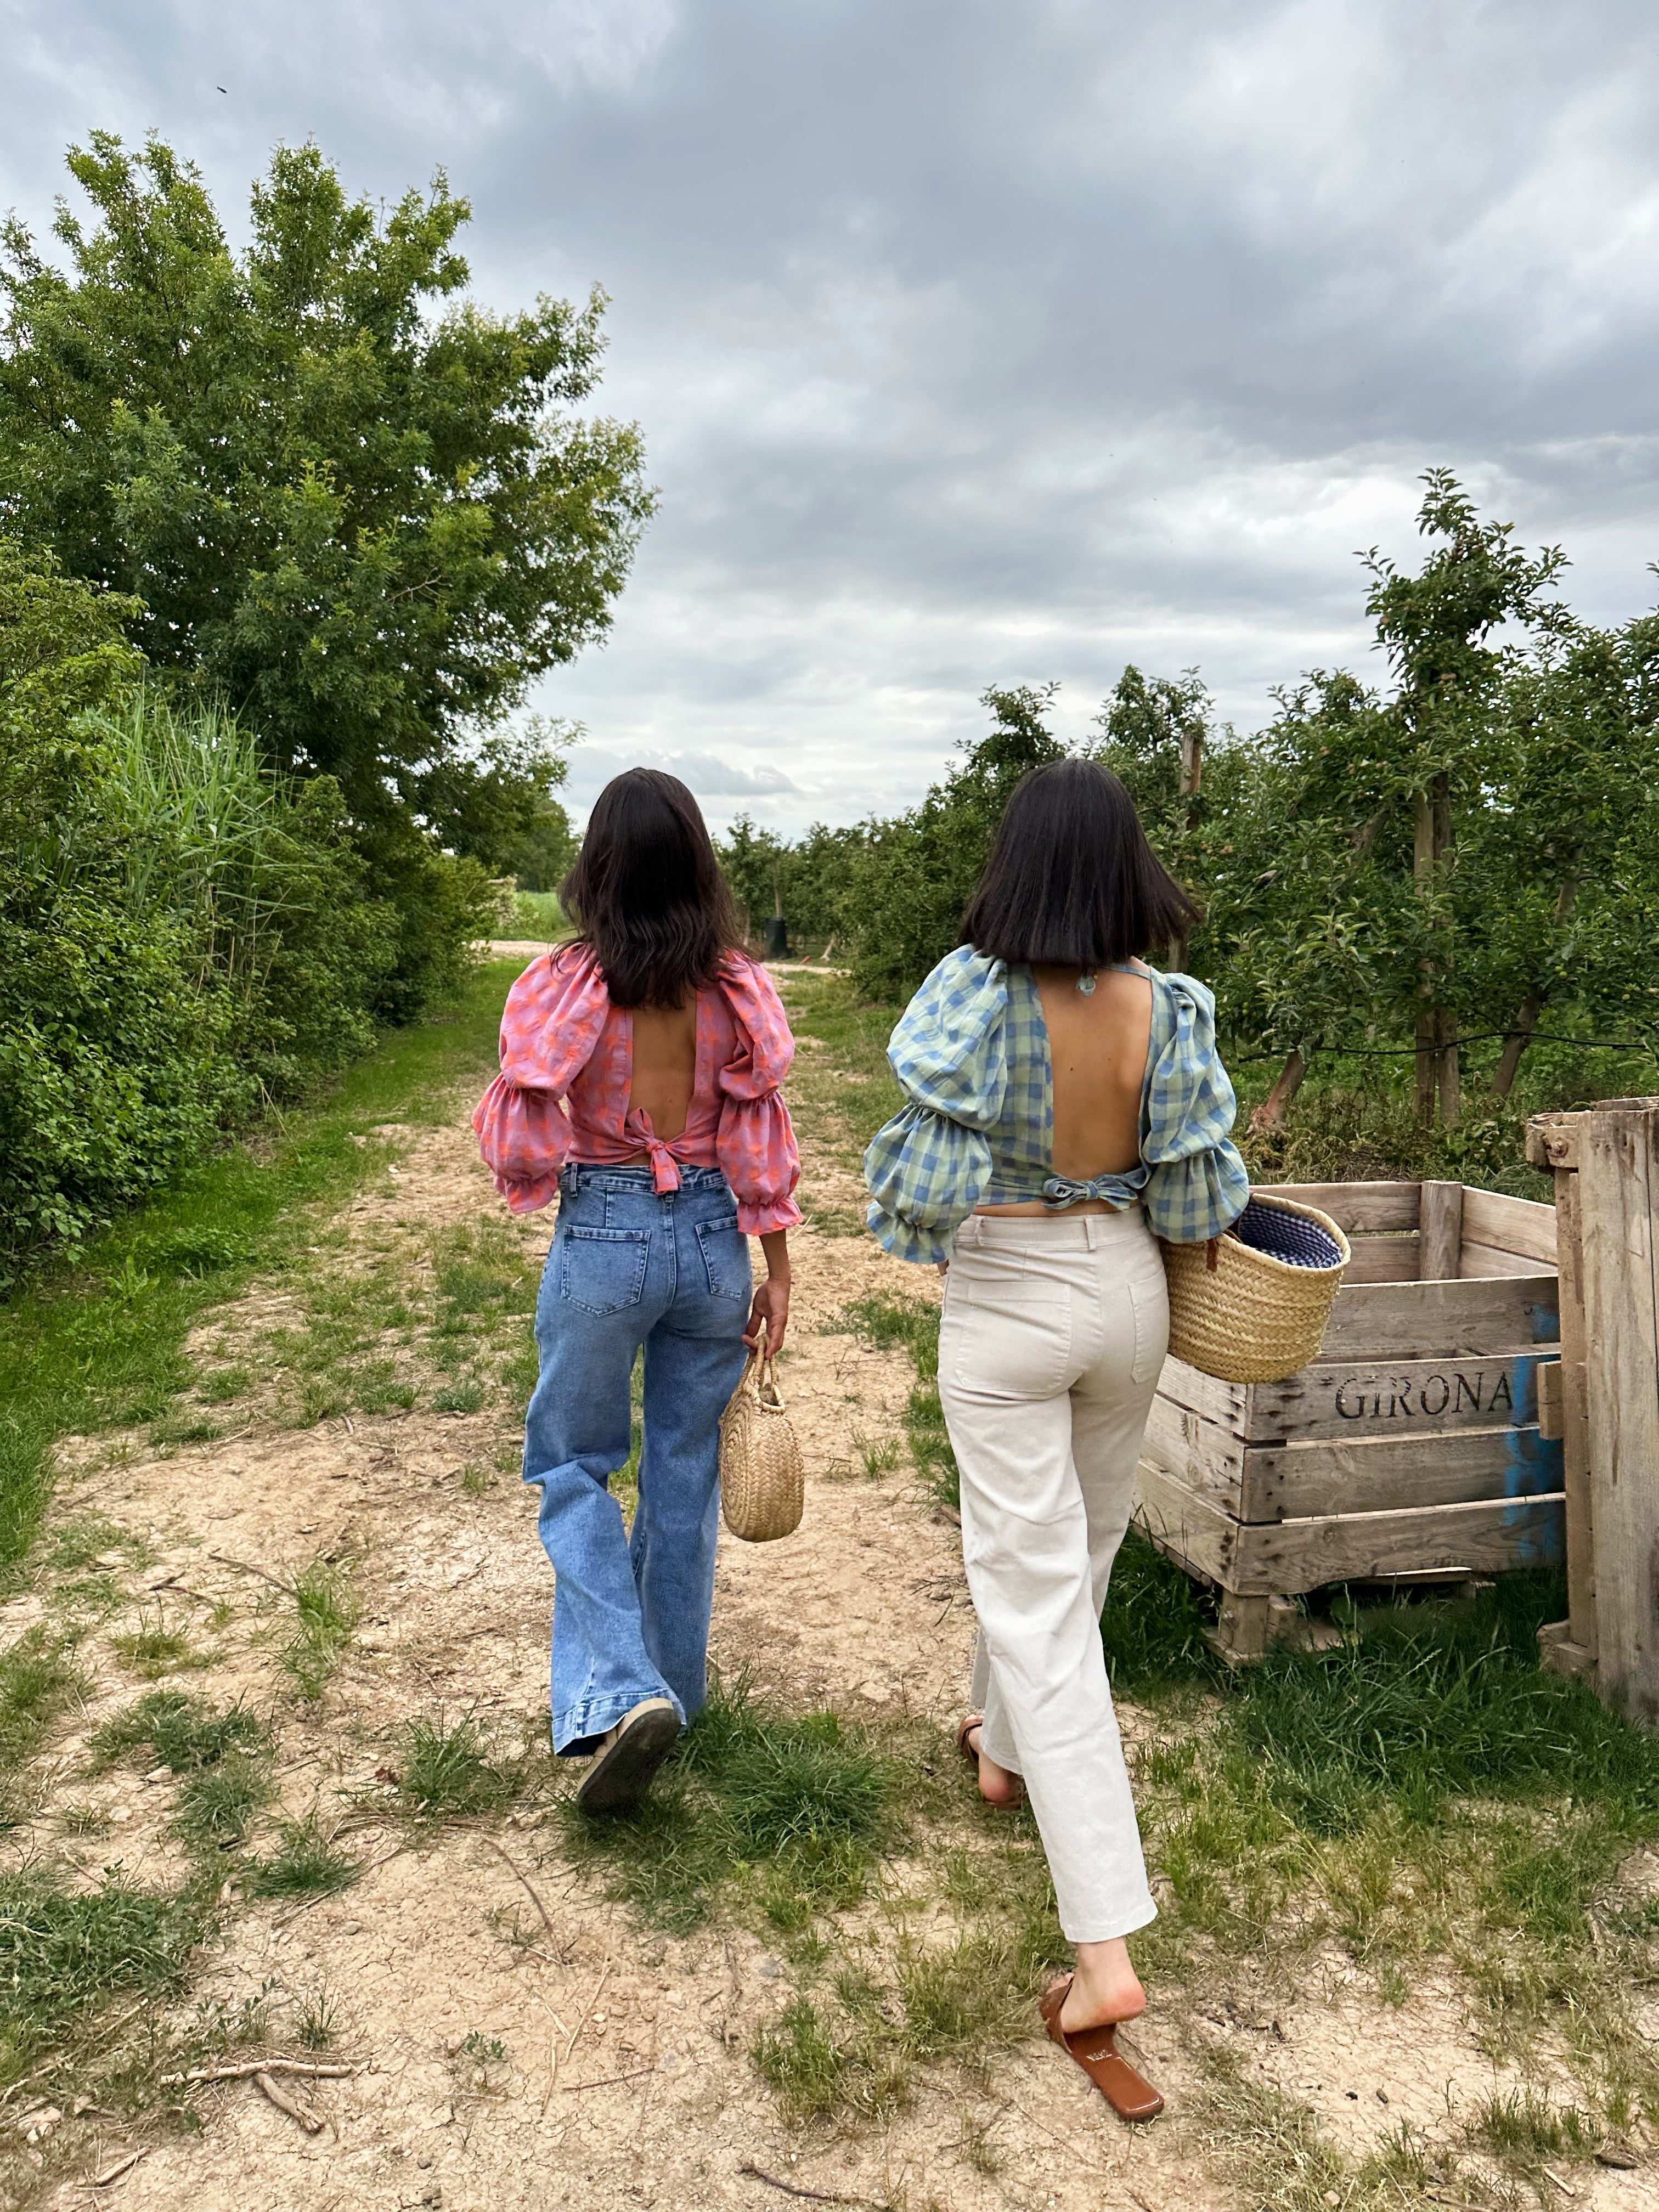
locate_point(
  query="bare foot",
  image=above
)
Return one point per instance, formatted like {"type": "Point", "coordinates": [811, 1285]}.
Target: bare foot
{"type": "Point", "coordinates": [997, 1784]}
{"type": "Point", "coordinates": [1105, 1988]}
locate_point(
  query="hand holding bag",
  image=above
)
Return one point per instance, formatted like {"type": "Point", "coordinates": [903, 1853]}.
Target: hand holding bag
{"type": "Point", "coordinates": [762, 1483]}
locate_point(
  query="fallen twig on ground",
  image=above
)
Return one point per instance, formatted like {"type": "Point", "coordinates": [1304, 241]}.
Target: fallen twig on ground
{"type": "Point", "coordinates": [284, 2103]}
{"type": "Point", "coordinates": [790, 2189]}
{"type": "Point", "coordinates": [592, 2002]}
{"type": "Point", "coordinates": [574, 2088]}
{"type": "Point", "coordinates": [113, 2173]}
{"type": "Point", "coordinates": [311, 2069]}
{"type": "Point", "coordinates": [242, 1567]}
{"type": "Point", "coordinates": [524, 1882]}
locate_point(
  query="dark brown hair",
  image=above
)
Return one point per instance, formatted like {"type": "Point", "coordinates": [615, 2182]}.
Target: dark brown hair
{"type": "Point", "coordinates": [646, 893]}
{"type": "Point", "coordinates": [1072, 882]}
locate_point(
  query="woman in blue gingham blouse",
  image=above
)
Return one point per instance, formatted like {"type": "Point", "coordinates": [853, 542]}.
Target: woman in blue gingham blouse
{"type": "Point", "coordinates": [1056, 1310]}
{"type": "Point", "coordinates": [971, 1050]}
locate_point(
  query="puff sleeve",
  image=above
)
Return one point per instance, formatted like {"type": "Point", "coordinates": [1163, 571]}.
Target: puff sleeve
{"type": "Point", "coordinates": [926, 1167]}
{"type": "Point", "coordinates": [755, 1143]}
{"type": "Point", "coordinates": [550, 1026]}
{"type": "Point", "coordinates": [1199, 1185]}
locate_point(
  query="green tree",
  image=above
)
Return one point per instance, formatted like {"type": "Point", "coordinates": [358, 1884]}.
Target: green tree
{"type": "Point", "coordinates": [360, 510]}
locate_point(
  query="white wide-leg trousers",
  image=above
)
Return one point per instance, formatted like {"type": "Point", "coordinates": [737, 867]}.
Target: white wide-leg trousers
{"type": "Point", "coordinates": [1053, 1334]}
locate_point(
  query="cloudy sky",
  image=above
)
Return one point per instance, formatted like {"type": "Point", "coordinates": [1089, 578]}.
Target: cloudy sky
{"type": "Point", "coordinates": [978, 342]}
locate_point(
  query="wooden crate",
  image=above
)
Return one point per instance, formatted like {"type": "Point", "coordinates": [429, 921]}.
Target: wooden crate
{"type": "Point", "coordinates": [1409, 1450]}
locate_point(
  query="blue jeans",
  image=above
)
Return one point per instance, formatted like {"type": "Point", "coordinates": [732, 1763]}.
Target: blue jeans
{"type": "Point", "coordinates": [627, 1269]}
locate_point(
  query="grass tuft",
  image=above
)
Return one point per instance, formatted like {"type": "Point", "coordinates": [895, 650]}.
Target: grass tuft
{"type": "Point", "coordinates": [305, 1864]}
{"type": "Point", "coordinates": [183, 1734]}
{"type": "Point", "coordinates": [447, 1773]}
{"type": "Point", "coordinates": [326, 1611]}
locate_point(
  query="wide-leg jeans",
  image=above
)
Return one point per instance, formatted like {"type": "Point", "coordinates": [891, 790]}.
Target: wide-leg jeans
{"type": "Point", "coordinates": [629, 1266]}
{"type": "Point", "coordinates": [1051, 1341]}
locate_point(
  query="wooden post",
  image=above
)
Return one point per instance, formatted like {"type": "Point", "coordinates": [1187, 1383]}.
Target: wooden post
{"type": "Point", "coordinates": [1569, 1646]}
{"type": "Point", "coordinates": [1618, 1198]}
{"type": "Point", "coordinates": [1440, 1233]}
{"type": "Point", "coordinates": [1437, 1077]}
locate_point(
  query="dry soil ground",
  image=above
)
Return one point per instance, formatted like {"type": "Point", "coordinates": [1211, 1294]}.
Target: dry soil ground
{"type": "Point", "coordinates": [511, 2049]}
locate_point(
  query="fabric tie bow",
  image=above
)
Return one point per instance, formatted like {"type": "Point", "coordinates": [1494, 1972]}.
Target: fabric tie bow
{"type": "Point", "coordinates": [1060, 1191]}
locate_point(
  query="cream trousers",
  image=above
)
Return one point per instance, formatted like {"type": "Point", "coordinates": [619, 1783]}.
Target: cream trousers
{"type": "Point", "coordinates": [1053, 1337]}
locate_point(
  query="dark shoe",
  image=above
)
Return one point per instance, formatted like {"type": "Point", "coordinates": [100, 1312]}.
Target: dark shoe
{"type": "Point", "coordinates": [1095, 2052]}
{"type": "Point", "coordinates": [627, 1757]}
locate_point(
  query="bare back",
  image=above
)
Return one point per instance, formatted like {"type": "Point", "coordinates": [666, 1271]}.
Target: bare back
{"type": "Point", "coordinates": [1098, 1046]}
{"type": "Point", "coordinates": [665, 1066]}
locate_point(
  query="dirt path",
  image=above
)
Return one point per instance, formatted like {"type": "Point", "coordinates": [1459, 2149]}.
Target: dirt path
{"type": "Point", "coordinates": [518, 2039]}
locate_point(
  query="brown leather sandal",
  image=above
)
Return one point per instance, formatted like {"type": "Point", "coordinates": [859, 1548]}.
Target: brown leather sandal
{"type": "Point", "coordinates": [1095, 2052]}
{"type": "Point", "coordinates": [977, 1721]}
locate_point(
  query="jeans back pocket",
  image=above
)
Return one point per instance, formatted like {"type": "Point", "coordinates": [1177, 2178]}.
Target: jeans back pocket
{"type": "Point", "coordinates": [602, 1270]}
{"type": "Point", "coordinates": [724, 1256]}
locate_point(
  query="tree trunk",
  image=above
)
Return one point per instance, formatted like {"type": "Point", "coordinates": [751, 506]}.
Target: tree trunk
{"type": "Point", "coordinates": [1270, 1113]}
{"type": "Point", "coordinates": [1437, 1082]}
{"type": "Point", "coordinates": [1515, 1044]}
{"type": "Point", "coordinates": [1192, 775]}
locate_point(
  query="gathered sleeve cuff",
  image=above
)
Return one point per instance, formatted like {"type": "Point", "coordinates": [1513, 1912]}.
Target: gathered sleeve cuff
{"type": "Point", "coordinates": [1199, 1185]}
{"type": "Point", "coordinates": [756, 1144]}
{"type": "Point", "coordinates": [550, 1026]}
{"type": "Point", "coordinates": [929, 1167]}
{"type": "Point", "coordinates": [926, 1174]}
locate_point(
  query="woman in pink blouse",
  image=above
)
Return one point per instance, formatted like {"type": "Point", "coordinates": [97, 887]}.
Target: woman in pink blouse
{"type": "Point", "coordinates": [640, 1073]}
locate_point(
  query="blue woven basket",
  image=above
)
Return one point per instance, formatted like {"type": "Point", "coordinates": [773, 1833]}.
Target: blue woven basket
{"type": "Point", "coordinates": [1251, 1306]}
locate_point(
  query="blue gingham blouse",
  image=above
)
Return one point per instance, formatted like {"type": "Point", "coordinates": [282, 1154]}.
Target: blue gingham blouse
{"type": "Point", "coordinates": [971, 1050]}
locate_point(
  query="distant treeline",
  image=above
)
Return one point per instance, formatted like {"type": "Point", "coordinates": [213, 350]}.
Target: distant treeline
{"type": "Point", "coordinates": [1445, 864]}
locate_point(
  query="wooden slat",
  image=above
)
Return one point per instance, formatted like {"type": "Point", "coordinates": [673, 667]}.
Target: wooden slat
{"type": "Point", "coordinates": [1388, 1320]}
{"type": "Point", "coordinates": [1207, 1457]}
{"type": "Point", "coordinates": [1476, 1260]}
{"type": "Point", "coordinates": [1440, 1226]}
{"type": "Point", "coordinates": [1514, 1224]}
{"type": "Point", "coordinates": [1224, 1402]}
{"type": "Point", "coordinates": [1356, 1399]}
{"type": "Point", "coordinates": [1494, 1537]}
{"type": "Point", "coordinates": [1286, 1558]}
{"type": "Point", "coordinates": [1191, 1530]}
{"type": "Point", "coordinates": [1389, 1473]}
{"type": "Point", "coordinates": [1356, 1205]}
{"type": "Point", "coordinates": [1618, 1191]}
{"type": "Point", "coordinates": [1382, 1259]}
{"type": "Point", "coordinates": [1582, 1632]}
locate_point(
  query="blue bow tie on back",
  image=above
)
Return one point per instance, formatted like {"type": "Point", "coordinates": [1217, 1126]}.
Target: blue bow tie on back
{"type": "Point", "coordinates": [1120, 1190]}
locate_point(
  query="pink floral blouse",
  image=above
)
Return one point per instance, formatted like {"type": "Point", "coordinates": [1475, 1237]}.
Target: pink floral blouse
{"type": "Point", "coordinates": [566, 1071]}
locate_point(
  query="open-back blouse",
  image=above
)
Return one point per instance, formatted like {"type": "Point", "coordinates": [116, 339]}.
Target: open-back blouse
{"type": "Point", "coordinates": [971, 1050]}
{"type": "Point", "coordinates": [567, 1069]}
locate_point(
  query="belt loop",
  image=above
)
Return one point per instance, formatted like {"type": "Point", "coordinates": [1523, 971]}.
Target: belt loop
{"type": "Point", "coordinates": [1088, 1221]}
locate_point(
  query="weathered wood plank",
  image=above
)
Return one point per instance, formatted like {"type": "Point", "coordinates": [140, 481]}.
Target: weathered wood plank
{"type": "Point", "coordinates": [1618, 1191]}
{"type": "Point", "coordinates": [1218, 1402]}
{"type": "Point", "coordinates": [1514, 1224]}
{"type": "Point", "coordinates": [1191, 1530]}
{"type": "Point", "coordinates": [1356, 1205]}
{"type": "Point", "coordinates": [1207, 1457]}
{"type": "Point", "coordinates": [1440, 1230]}
{"type": "Point", "coordinates": [1575, 1420]}
{"type": "Point", "coordinates": [1386, 1320]}
{"type": "Point", "coordinates": [1393, 1473]}
{"type": "Point", "coordinates": [1382, 1259]}
{"type": "Point", "coordinates": [1494, 1537]}
{"type": "Point", "coordinates": [1363, 1398]}
{"type": "Point", "coordinates": [1475, 1261]}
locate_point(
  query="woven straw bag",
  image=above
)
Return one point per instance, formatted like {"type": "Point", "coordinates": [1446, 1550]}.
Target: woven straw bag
{"type": "Point", "coordinates": [1251, 1305]}
{"type": "Point", "coordinates": [763, 1484]}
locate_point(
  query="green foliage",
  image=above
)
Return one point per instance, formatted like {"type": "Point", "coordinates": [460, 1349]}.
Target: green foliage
{"type": "Point", "coordinates": [305, 1864]}
{"type": "Point", "coordinates": [180, 1733]}
{"type": "Point", "coordinates": [325, 1609]}
{"type": "Point", "coordinates": [62, 1955]}
{"type": "Point", "coordinates": [355, 504]}
{"type": "Point", "coordinates": [807, 880]}
{"type": "Point", "coordinates": [447, 1771]}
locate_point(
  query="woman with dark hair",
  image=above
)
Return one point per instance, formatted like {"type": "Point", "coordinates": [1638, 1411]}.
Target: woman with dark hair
{"type": "Point", "coordinates": [1066, 1110]}
{"type": "Point", "coordinates": [639, 1071]}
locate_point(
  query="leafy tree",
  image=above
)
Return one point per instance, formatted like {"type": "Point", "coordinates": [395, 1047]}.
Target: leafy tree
{"type": "Point", "coordinates": [911, 880]}
{"type": "Point", "coordinates": [359, 509]}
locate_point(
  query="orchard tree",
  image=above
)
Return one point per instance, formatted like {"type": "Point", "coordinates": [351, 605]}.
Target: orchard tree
{"type": "Point", "coordinates": [360, 509]}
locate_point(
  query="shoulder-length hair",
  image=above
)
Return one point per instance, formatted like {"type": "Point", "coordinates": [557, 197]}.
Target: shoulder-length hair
{"type": "Point", "coordinates": [647, 894]}
{"type": "Point", "coordinates": [1072, 882]}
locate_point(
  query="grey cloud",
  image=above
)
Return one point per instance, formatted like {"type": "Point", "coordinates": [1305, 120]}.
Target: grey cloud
{"type": "Point", "coordinates": [975, 344]}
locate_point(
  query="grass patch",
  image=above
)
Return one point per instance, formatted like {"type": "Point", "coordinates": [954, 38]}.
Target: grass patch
{"type": "Point", "coordinates": [304, 1863]}
{"type": "Point", "coordinates": [38, 1681]}
{"type": "Point", "coordinates": [449, 1773]}
{"type": "Point", "coordinates": [100, 1343]}
{"type": "Point", "coordinates": [795, 1808]}
{"type": "Point", "coordinates": [216, 1804]}
{"type": "Point", "coordinates": [538, 917]}
{"type": "Point", "coordinates": [61, 1956]}
{"type": "Point", "coordinates": [153, 1649]}
{"type": "Point", "coordinates": [841, 1088]}
{"type": "Point", "coordinates": [889, 1322]}
{"type": "Point", "coordinates": [326, 1612]}
{"type": "Point", "coordinates": [181, 1732]}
